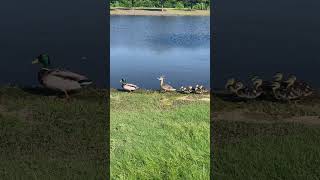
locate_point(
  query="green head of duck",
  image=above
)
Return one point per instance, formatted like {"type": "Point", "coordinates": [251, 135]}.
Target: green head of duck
{"type": "Point", "coordinates": [42, 59]}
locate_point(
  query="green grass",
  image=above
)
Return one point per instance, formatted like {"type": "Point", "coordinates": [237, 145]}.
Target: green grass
{"type": "Point", "coordinates": [159, 136]}
{"type": "Point", "coordinates": [47, 137]}
{"type": "Point", "coordinates": [269, 148]}
{"type": "Point", "coordinates": [155, 136]}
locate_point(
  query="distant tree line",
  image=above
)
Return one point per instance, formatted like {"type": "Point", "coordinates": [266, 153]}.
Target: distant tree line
{"type": "Point", "coordinates": [179, 4]}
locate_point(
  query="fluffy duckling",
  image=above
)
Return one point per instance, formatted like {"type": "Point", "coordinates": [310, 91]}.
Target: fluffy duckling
{"type": "Point", "coordinates": [197, 89]}
{"type": "Point", "coordinates": [203, 89]}
{"type": "Point", "coordinates": [261, 85]}
{"type": "Point", "coordinates": [245, 92]}
{"type": "Point", "coordinates": [231, 85]}
{"type": "Point", "coordinates": [283, 93]}
{"type": "Point", "coordinates": [184, 90]}
{"type": "Point", "coordinates": [299, 87]}
{"type": "Point", "coordinates": [200, 89]}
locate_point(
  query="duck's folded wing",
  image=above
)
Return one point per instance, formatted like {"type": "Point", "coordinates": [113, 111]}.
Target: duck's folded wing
{"type": "Point", "coordinates": [56, 82]}
{"type": "Point", "coordinates": [83, 80]}
{"type": "Point", "coordinates": [68, 75]}
{"type": "Point", "coordinates": [132, 85]}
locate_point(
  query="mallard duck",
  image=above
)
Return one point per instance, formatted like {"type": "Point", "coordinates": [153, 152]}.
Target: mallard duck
{"type": "Point", "coordinates": [60, 80]}
{"type": "Point", "coordinates": [165, 87]}
{"type": "Point", "coordinates": [298, 87]}
{"type": "Point", "coordinates": [247, 93]}
{"type": "Point", "coordinates": [283, 93]}
{"type": "Point", "coordinates": [127, 86]}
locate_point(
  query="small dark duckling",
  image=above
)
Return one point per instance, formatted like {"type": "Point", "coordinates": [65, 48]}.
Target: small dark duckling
{"type": "Point", "coordinates": [284, 93]}
{"type": "Point", "coordinates": [245, 92]}
{"type": "Point", "coordinates": [299, 87]}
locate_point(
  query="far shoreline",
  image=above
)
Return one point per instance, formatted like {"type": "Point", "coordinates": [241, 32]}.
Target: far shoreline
{"type": "Point", "coordinates": [118, 11]}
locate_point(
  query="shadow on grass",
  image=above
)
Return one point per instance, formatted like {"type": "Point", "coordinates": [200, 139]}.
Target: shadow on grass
{"type": "Point", "coordinates": [46, 92]}
{"type": "Point", "coordinates": [229, 97]}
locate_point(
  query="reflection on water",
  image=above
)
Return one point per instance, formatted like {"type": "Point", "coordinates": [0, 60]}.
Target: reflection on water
{"type": "Point", "coordinates": [29, 28]}
{"type": "Point", "coordinates": [263, 37]}
{"type": "Point", "coordinates": [143, 48]}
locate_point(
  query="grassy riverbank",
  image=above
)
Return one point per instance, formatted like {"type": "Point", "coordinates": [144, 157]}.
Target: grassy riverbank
{"type": "Point", "coordinates": [158, 12]}
{"type": "Point", "coordinates": [47, 137]}
{"type": "Point", "coordinates": [155, 135]}
{"type": "Point", "coordinates": [159, 135]}
{"type": "Point", "coordinates": [266, 140]}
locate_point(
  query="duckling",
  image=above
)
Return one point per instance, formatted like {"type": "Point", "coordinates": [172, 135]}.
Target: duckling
{"type": "Point", "coordinates": [197, 89]}
{"type": "Point", "coordinates": [283, 93]}
{"type": "Point", "coordinates": [245, 92]}
{"type": "Point", "coordinates": [184, 90]}
{"type": "Point", "coordinates": [165, 87]}
{"type": "Point", "coordinates": [190, 89]}
{"type": "Point", "coordinates": [231, 85]}
{"type": "Point", "coordinates": [278, 77]}
{"type": "Point", "coordinates": [200, 89]}
{"type": "Point", "coordinates": [127, 86]}
{"type": "Point", "coordinates": [261, 85]}
{"type": "Point", "coordinates": [299, 87]}
{"type": "Point", "coordinates": [203, 89]}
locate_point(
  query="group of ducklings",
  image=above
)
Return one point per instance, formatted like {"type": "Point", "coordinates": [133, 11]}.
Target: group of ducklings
{"type": "Point", "coordinates": [199, 89]}
{"type": "Point", "coordinates": [278, 88]}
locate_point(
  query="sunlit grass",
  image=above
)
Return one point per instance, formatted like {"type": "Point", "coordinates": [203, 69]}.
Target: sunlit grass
{"type": "Point", "coordinates": [159, 136]}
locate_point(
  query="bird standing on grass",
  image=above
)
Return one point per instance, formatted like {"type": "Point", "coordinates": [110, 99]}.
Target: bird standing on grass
{"type": "Point", "coordinates": [59, 80]}
{"type": "Point", "coordinates": [165, 87]}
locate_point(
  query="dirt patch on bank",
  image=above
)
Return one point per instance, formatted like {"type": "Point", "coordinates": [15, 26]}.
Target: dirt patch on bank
{"type": "Point", "coordinates": [257, 117]}
{"type": "Point", "coordinates": [194, 98]}
{"type": "Point", "coordinates": [310, 120]}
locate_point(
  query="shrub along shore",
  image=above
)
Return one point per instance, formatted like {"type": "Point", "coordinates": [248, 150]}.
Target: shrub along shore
{"type": "Point", "coordinates": [158, 12]}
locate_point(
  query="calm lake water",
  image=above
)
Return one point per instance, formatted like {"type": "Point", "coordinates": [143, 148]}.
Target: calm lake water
{"type": "Point", "coordinates": [263, 37]}
{"type": "Point", "coordinates": [144, 47]}
{"type": "Point", "coordinates": [57, 28]}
